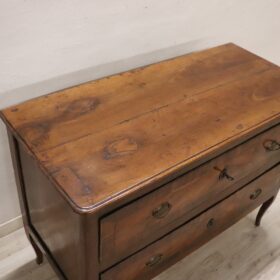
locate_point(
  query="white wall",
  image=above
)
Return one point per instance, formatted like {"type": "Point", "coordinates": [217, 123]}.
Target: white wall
{"type": "Point", "coordinates": [49, 45]}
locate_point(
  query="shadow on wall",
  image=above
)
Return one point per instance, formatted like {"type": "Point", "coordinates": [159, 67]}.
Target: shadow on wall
{"type": "Point", "coordinates": [21, 94]}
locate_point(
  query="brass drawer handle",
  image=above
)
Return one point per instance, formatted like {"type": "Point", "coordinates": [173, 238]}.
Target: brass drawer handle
{"type": "Point", "coordinates": [154, 260]}
{"type": "Point", "coordinates": [162, 210]}
{"type": "Point", "coordinates": [211, 223]}
{"type": "Point", "coordinates": [271, 145]}
{"type": "Point", "coordinates": [224, 174]}
{"type": "Point", "coordinates": [256, 194]}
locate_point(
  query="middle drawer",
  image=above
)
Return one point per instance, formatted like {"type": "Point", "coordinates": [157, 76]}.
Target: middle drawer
{"type": "Point", "coordinates": [147, 219]}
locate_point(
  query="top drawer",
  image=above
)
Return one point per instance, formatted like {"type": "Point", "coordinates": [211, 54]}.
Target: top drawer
{"type": "Point", "coordinates": [150, 217]}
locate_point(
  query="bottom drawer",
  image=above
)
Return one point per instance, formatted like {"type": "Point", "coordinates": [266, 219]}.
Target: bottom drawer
{"type": "Point", "coordinates": [165, 252]}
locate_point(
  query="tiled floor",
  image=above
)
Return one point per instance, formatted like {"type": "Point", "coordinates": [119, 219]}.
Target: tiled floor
{"type": "Point", "coordinates": [241, 253]}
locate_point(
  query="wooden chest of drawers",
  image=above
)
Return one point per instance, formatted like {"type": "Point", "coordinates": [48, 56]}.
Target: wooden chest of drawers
{"type": "Point", "coordinates": [122, 177]}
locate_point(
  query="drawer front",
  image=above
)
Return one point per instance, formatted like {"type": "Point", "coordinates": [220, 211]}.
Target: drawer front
{"type": "Point", "coordinates": [147, 219]}
{"type": "Point", "coordinates": [160, 255]}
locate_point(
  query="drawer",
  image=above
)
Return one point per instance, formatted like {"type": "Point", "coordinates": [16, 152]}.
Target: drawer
{"type": "Point", "coordinates": [170, 249]}
{"type": "Point", "coordinates": [136, 225]}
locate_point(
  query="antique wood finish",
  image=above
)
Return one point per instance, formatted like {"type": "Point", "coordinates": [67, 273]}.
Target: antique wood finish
{"type": "Point", "coordinates": [98, 163]}
{"type": "Point", "coordinates": [35, 241]}
{"type": "Point", "coordinates": [178, 201]}
{"type": "Point", "coordinates": [22, 196]}
{"type": "Point", "coordinates": [50, 215]}
{"type": "Point", "coordinates": [263, 210]}
{"type": "Point", "coordinates": [110, 172]}
{"type": "Point", "coordinates": [165, 252]}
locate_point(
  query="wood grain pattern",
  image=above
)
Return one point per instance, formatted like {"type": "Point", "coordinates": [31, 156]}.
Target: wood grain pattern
{"type": "Point", "coordinates": [53, 219]}
{"type": "Point", "coordinates": [35, 240]}
{"type": "Point", "coordinates": [98, 163]}
{"type": "Point", "coordinates": [187, 196]}
{"type": "Point", "coordinates": [165, 252]}
{"type": "Point", "coordinates": [92, 107]}
{"type": "Point", "coordinates": [241, 252]}
{"type": "Point", "coordinates": [91, 140]}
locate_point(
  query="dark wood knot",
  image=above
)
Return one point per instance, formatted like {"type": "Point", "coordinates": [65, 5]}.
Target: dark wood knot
{"type": "Point", "coordinates": [120, 147]}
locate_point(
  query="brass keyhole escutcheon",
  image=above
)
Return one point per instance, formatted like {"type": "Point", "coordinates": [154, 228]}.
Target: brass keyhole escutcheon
{"type": "Point", "coordinates": [162, 210]}
{"type": "Point", "coordinates": [224, 174]}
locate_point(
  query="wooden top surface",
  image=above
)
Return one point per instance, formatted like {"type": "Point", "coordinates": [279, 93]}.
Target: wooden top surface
{"type": "Point", "coordinates": [128, 133]}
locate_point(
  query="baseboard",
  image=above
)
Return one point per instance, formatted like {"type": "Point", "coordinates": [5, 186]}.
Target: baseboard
{"type": "Point", "coordinates": [10, 226]}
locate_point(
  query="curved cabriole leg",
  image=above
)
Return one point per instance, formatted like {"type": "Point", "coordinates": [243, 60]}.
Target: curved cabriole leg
{"type": "Point", "coordinates": [39, 254]}
{"type": "Point", "coordinates": [263, 210]}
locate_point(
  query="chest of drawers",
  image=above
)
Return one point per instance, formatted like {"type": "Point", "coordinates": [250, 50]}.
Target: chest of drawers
{"type": "Point", "coordinates": [121, 177]}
